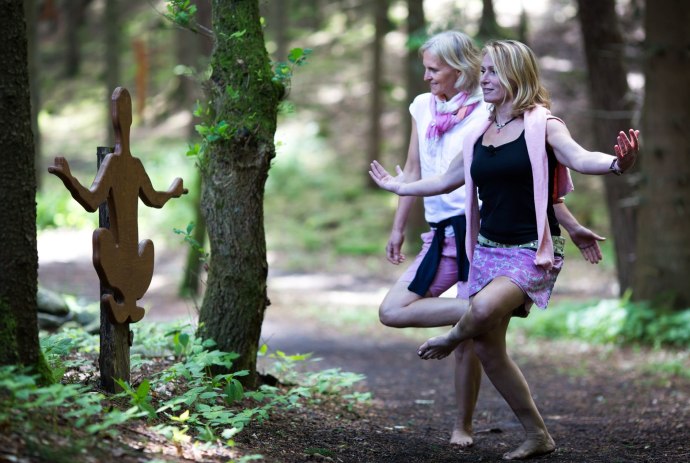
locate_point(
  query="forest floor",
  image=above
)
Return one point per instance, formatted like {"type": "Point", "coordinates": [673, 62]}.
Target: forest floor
{"type": "Point", "coordinates": [600, 403]}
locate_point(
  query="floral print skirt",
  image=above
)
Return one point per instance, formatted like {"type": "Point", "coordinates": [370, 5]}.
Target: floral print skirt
{"type": "Point", "coordinates": [518, 265]}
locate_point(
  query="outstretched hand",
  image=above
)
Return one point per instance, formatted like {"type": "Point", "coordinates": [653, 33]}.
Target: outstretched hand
{"type": "Point", "coordinates": [385, 180]}
{"type": "Point", "coordinates": [588, 243]}
{"type": "Point", "coordinates": [627, 148]}
{"type": "Point", "coordinates": [60, 168]}
{"type": "Point", "coordinates": [176, 189]}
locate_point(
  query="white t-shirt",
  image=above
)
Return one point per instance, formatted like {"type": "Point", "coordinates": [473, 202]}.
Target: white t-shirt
{"type": "Point", "coordinates": [436, 159]}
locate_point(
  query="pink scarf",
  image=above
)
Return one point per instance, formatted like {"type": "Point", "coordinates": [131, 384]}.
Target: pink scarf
{"type": "Point", "coordinates": [447, 117]}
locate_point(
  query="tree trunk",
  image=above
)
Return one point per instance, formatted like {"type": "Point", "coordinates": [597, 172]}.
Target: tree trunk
{"type": "Point", "coordinates": [74, 13]}
{"type": "Point", "coordinates": [113, 45]}
{"type": "Point", "coordinates": [189, 285]}
{"type": "Point", "coordinates": [380, 24]}
{"type": "Point", "coordinates": [31, 12]}
{"type": "Point", "coordinates": [611, 110]}
{"type": "Point", "coordinates": [416, 34]}
{"type": "Point", "coordinates": [193, 266]}
{"type": "Point", "coordinates": [663, 250]}
{"type": "Point", "coordinates": [18, 255]}
{"type": "Point", "coordinates": [234, 172]}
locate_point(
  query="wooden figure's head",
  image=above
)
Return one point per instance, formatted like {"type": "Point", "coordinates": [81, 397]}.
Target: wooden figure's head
{"type": "Point", "coordinates": [121, 113]}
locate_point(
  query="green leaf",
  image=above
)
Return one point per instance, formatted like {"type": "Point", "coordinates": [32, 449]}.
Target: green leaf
{"type": "Point", "coordinates": [233, 391]}
{"type": "Point", "coordinates": [143, 389]}
{"type": "Point", "coordinates": [263, 349]}
{"type": "Point", "coordinates": [182, 418]}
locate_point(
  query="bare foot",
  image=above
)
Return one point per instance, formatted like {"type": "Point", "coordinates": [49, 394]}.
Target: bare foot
{"type": "Point", "coordinates": [438, 347]}
{"type": "Point", "coordinates": [535, 445]}
{"type": "Point", "coordinates": [461, 437]}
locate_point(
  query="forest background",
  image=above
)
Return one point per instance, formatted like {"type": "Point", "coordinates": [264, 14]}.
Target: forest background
{"type": "Point", "coordinates": [346, 106]}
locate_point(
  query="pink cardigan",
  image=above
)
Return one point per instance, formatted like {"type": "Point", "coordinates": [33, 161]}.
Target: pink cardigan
{"type": "Point", "coordinates": [535, 137]}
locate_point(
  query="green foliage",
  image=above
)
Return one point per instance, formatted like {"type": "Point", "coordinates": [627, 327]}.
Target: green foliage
{"type": "Point", "coordinates": [611, 321]}
{"type": "Point", "coordinates": [184, 399]}
{"type": "Point", "coordinates": [193, 243]}
{"type": "Point", "coordinates": [283, 71]}
{"type": "Point", "coordinates": [299, 203]}
{"type": "Point", "coordinates": [60, 210]}
{"type": "Point", "coordinates": [24, 398]}
{"type": "Point", "coordinates": [675, 367]}
{"type": "Point", "coordinates": [182, 13]}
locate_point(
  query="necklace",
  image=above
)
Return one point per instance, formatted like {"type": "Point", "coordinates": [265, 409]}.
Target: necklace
{"type": "Point", "coordinates": [500, 126]}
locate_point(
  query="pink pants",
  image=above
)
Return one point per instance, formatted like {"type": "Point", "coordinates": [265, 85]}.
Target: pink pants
{"type": "Point", "coordinates": [447, 273]}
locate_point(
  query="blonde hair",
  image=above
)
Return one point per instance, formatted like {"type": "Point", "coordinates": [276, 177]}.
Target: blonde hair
{"type": "Point", "coordinates": [459, 52]}
{"type": "Point", "coordinates": [518, 72]}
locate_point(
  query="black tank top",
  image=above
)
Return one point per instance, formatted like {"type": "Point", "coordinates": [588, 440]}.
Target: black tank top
{"type": "Point", "coordinates": [503, 176]}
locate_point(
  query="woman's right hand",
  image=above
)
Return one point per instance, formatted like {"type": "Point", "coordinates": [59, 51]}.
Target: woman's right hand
{"type": "Point", "coordinates": [385, 180]}
{"type": "Point", "coordinates": [393, 248]}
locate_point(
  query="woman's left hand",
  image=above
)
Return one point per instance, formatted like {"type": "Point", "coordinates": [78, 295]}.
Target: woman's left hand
{"type": "Point", "coordinates": [588, 243]}
{"type": "Point", "coordinates": [385, 180]}
{"type": "Point", "coordinates": [627, 149]}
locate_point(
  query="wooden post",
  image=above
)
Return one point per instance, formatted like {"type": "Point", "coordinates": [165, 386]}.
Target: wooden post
{"type": "Point", "coordinates": [113, 359]}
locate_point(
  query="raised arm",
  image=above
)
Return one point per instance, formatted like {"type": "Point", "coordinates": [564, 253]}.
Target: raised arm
{"type": "Point", "coordinates": [452, 179]}
{"type": "Point", "coordinates": [91, 198]}
{"type": "Point", "coordinates": [584, 238]}
{"type": "Point", "coordinates": [572, 155]}
{"type": "Point", "coordinates": [153, 198]}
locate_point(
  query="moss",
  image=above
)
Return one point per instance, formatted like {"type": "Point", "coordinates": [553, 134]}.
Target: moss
{"type": "Point", "coordinates": [45, 374]}
{"type": "Point", "coordinates": [9, 350]}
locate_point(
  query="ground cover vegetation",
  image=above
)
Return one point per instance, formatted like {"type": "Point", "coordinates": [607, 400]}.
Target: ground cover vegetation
{"type": "Point", "coordinates": [174, 396]}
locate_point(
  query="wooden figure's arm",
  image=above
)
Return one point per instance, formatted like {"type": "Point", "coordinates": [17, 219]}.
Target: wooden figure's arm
{"type": "Point", "coordinates": [153, 198]}
{"type": "Point", "coordinates": [91, 198]}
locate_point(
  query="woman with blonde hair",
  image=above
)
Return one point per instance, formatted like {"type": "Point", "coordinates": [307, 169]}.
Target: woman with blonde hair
{"type": "Point", "coordinates": [515, 163]}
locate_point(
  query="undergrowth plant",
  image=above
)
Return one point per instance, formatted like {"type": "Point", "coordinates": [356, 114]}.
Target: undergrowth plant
{"type": "Point", "coordinates": [180, 399]}
{"type": "Point", "coordinates": [612, 321]}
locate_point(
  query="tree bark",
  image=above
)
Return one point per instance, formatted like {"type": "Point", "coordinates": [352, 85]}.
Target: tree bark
{"type": "Point", "coordinates": [190, 285]}
{"type": "Point", "coordinates": [380, 24]}
{"type": "Point", "coordinates": [74, 14]}
{"type": "Point", "coordinates": [663, 249]}
{"type": "Point", "coordinates": [611, 112]}
{"type": "Point", "coordinates": [234, 173]}
{"type": "Point", "coordinates": [31, 13]}
{"type": "Point", "coordinates": [113, 46]}
{"type": "Point", "coordinates": [18, 255]}
{"type": "Point", "coordinates": [416, 34]}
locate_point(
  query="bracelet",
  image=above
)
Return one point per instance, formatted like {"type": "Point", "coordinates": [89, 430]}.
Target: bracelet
{"type": "Point", "coordinates": [614, 168]}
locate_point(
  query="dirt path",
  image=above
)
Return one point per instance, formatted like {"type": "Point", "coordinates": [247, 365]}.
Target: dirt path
{"type": "Point", "coordinates": [601, 404]}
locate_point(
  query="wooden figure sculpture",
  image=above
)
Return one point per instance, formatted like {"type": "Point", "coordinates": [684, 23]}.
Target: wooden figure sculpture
{"type": "Point", "coordinates": [123, 264]}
